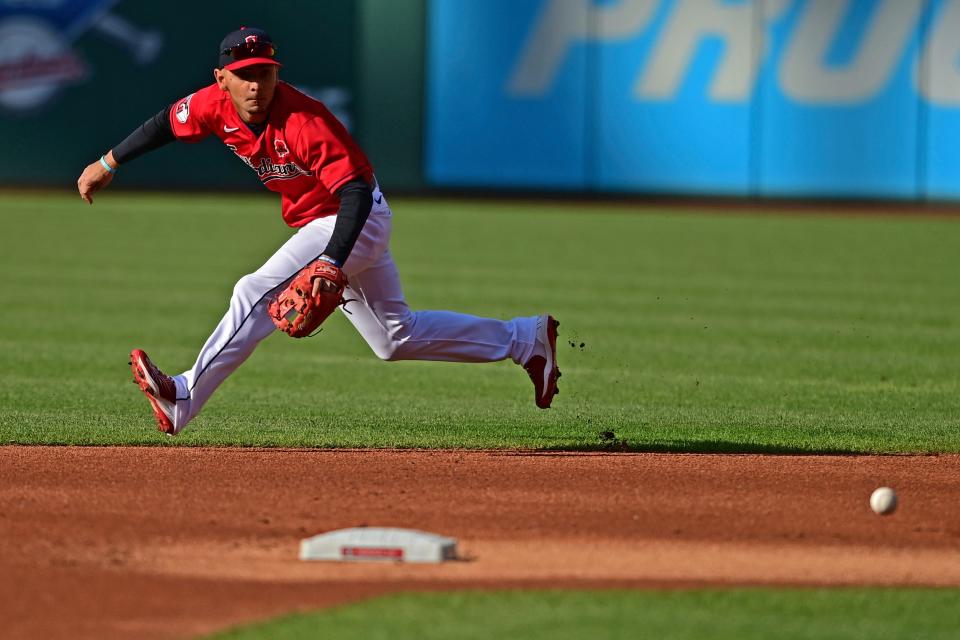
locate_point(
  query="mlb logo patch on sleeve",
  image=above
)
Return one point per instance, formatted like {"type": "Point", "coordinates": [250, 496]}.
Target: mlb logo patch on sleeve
{"type": "Point", "coordinates": [183, 109]}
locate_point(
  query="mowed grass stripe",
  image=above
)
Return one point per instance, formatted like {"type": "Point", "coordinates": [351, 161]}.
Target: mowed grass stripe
{"type": "Point", "coordinates": [735, 614]}
{"type": "Point", "coordinates": [679, 330]}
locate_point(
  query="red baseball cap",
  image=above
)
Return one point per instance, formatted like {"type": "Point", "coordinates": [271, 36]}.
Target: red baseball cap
{"type": "Point", "coordinates": [246, 47]}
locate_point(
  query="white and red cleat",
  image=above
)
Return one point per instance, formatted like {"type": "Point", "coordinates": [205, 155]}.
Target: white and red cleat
{"type": "Point", "coordinates": [159, 388]}
{"type": "Point", "coordinates": [542, 365]}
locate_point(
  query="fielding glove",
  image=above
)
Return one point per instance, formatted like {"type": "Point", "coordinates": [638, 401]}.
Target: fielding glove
{"type": "Point", "coordinates": [297, 311]}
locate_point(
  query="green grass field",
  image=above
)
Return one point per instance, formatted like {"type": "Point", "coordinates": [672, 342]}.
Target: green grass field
{"type": "Point", "coordinates": [736, 614]}
{"type": "Point", "coordinates": [680, 330]}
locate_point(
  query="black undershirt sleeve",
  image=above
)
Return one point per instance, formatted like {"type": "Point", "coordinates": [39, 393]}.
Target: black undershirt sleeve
{"type": "Point", "coordinates": [152, 134]}
{"type": "Point", "coordinates": [356, 198]}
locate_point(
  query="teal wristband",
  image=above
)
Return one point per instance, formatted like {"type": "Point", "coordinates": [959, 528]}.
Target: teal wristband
{"type": "Point", "coordinates": [106, 165]}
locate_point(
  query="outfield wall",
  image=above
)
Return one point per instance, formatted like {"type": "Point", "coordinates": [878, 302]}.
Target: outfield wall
{"type": "Point", "coordinates": [857, 98]}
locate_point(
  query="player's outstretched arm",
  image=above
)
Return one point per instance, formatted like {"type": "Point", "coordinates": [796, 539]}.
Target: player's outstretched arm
{"type": "Point", "coordinates": [96, 176]}
{"type": "Point", "coordinates": [152, 134]}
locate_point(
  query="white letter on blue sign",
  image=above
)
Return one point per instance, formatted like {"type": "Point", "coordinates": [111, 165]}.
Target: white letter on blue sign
{"type": "Point", "coordinates": [804, 77]}
{"type": "Point", "coordinates": [938, 79]}
{"type": "Point", "coordinates": [565, 23]}
{"type": "Point", "coordinates": [696, 20]}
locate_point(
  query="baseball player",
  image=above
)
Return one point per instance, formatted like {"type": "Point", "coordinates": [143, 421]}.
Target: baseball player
{"type": "Point", "coordinates": [330, 197]}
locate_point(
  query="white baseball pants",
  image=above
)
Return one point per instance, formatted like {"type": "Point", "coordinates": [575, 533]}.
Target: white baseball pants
{"type": "Point", "coordinates": [380, 314]}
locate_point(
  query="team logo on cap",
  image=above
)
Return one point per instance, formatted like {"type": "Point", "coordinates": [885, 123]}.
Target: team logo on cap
{"type": "Point", "coordinates": [280, 147]}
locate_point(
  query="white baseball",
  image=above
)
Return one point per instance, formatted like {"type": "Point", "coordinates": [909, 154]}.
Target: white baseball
{"type": "Point", "coordinates": [883, 501]}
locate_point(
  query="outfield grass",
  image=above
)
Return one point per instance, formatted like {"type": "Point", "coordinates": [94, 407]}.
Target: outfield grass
{"type": "Point", "coordinates": [737, 614]}
{"type": "Point", "coordinates": [680, 331]}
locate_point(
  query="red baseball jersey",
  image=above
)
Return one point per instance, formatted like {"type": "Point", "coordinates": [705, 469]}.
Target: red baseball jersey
{"type": "Point", "coordinates": [303, 152]}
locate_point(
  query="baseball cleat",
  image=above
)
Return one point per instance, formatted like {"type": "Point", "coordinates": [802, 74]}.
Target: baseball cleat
{"type": "Point", "coordinates": [159, 388]}
{"type": "Point", "coordinates": [542, 365]}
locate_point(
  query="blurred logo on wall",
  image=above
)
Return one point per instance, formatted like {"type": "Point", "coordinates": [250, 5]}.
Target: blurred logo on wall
{"type": "Point", "coordinates": [38, 56]}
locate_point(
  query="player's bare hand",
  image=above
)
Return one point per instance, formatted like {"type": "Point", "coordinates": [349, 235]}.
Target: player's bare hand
{"type": "Point", "coordinates": [93, 178]}
{"type": "Point", "coordinates": [326, 277]}
{"type": "Point", "coordinates": [322, 284]}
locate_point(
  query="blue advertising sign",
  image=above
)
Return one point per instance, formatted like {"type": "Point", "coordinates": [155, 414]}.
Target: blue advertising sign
{"type": "Point", "coordinates": [768, 97]}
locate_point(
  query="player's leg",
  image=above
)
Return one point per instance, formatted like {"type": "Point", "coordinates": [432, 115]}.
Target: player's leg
{"type": "Point", "coordinates": [243, 326]}
{"type": "Point", "coordinates": [394, 332]}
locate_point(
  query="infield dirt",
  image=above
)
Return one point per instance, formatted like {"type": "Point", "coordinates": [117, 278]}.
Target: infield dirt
{"type": "Point", "coordinates": [171, 542]}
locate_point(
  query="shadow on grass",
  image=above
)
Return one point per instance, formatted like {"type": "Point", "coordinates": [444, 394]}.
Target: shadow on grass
{"type": "Point", "coordinates": [613, 449]}
{"type": "Point", "coordinates": [706, 446]}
